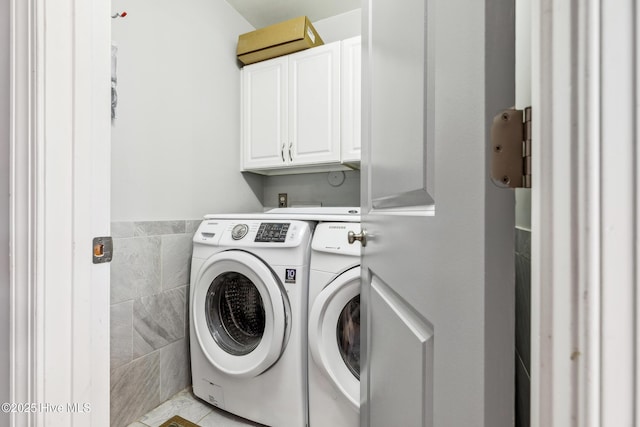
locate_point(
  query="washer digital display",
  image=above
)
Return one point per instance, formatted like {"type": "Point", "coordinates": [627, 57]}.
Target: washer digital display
{"type": "Point", "coordinates": [272, 232]}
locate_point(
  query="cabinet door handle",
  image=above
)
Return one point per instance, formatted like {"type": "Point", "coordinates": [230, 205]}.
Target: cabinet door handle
{"type": "Point", "coordinates": [282, 152]}
{"type": "Point", "coordinates": [290, 146]}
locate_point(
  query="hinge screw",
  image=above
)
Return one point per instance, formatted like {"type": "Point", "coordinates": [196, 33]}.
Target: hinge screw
{"type": "Point", "coordinates": [498, 148]}
{"type": "Point", "coordinates": [506, 180]}
{"type": "Point", "coordinates": [505, 117]}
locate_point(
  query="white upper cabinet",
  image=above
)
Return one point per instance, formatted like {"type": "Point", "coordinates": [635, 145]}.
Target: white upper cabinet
{"type": "Point", "coordinates": [292, 112]}
{"type": "Point", "coordinates": [314, 105]}
{"type": "Point", "coordinates": [264, 113]}
{"type": "Point", "coordinates": [350, 81]}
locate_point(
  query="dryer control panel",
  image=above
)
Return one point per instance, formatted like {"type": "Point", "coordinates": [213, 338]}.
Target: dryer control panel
{"type": "Point", "coordinates": [332, 237]}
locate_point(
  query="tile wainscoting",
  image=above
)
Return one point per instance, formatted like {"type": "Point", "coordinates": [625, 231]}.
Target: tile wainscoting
{"type": "Point", "coordinates": [149, 315]}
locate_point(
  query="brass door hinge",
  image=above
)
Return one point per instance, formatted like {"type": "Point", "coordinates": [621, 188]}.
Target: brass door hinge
{"type": "Point", "coordinates": [511, 148]}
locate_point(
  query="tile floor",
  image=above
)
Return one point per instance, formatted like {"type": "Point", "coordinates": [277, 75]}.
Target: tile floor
{"type": "Point", "coordinates": [186, 405]}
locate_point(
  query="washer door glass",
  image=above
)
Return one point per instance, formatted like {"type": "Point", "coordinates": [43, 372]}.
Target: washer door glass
{"type": "Point", "coordinates": [348, 335]}
{"type": "Point", "coordinates": [235, 313]}
{"type": "Point", "coordinates": [239, 313]}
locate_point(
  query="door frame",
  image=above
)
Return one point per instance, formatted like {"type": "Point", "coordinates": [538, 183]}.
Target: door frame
{"type": "Point", "coordinates": [60, 200]}
{"type": "Point", "coordinates": [585, 214]}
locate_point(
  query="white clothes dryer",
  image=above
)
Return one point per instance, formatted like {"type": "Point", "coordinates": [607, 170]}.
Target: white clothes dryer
{"type": "Point", "coordinates": [334, 327]}
{"type": "Point", "coordinates": [248, 307]}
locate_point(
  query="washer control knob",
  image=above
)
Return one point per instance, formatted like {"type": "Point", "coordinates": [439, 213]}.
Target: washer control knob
{"type": "Point", "coordinates": [239, 231]}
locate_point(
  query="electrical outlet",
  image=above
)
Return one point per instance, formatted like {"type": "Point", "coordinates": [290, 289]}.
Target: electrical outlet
{"type": "Point", "coordinates": [282, 200]}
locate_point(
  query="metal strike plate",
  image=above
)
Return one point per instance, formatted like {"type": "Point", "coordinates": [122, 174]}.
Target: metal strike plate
{"type": "Point", "coordinates": [507, 145]}
{"type": "Point", "coordinates": [102, 249]}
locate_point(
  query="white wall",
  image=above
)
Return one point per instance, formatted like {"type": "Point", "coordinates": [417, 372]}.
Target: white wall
{"type": "Point", "coordinates": [340, 27]}
{"type": "Point", "coordinates": [4, 207]}
{"type": "Point", "coordinates": [175, 142]}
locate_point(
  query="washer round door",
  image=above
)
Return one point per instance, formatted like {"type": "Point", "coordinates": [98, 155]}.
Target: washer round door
{"type": "Point", "coordinates": [334, 333]}
{"type": "Point", "coordinates": [240, 313]}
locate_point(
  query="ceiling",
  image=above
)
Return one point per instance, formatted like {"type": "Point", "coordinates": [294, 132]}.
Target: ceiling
{"type": "Point", "coordinates": [261, 13]}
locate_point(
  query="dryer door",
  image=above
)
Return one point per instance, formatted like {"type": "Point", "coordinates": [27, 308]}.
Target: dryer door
{"type": "Point", "coordinates": [240, 313]}
{"type": "Point", "coordinates": [334, 333]}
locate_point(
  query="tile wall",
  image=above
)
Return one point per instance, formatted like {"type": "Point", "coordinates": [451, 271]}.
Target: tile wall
{"type": "Point", "coordinates": [523, 326]}
{"type": "Point", "coordinates": [149, 315]}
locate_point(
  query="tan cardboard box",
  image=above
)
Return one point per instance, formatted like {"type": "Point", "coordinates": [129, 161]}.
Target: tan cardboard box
{"type": "Point", "coordinates": [277, 40]}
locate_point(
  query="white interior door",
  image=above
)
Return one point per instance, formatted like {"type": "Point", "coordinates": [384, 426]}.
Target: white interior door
{"type": "Point", "coordinates": [437, 268]}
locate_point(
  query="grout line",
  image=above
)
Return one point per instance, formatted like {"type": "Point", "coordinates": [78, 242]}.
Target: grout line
{"type": "Point", "coordinates": [207, 414]}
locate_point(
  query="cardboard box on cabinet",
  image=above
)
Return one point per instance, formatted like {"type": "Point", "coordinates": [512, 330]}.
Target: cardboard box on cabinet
{"type": "Point", "coordinates": [276, 40]}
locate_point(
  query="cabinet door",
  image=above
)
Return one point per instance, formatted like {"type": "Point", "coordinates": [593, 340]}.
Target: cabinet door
{"type": "Point", "coordinates": [314, 106]}
{"type": "Point", "coordinates": [264, 114]}
{"type": "Point", "coordinates": [350, 106]}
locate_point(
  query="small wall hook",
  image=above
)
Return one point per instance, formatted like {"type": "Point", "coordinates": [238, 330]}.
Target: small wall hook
{"type": "Point", "coordinates": [119, 15]}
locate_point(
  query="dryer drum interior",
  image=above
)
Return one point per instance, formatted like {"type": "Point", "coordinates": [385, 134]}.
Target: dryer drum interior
{"type": "Point", "coordinates": [348, 335]}
{"type": "Point", "coordinates": [235, 313]}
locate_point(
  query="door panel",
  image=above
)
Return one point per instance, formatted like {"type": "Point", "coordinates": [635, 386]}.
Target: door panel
{"type": "Point", "coordinates": [402, 343]}
{"type": "Point", "coordinates": [402, 112]}
{"type": "Point", "coordinates": [439, 255]}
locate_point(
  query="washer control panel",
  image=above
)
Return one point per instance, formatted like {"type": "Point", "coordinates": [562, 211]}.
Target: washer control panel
{"type": "Point", "coordinates": [253, 233]}
{"type": "Point", "coordinates": [272, 232]}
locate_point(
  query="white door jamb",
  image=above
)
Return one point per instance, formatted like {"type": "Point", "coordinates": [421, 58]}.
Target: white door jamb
{"type": "Point", "coordinates": [60, 178]}
{"type": "Point", "coordinates": [585, 215]}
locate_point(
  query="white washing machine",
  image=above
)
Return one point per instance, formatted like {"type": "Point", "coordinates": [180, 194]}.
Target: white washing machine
{"type": "Point", "coordinates": [248, 307]}
{"type": "Point", "coordinates": [334, 327]}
